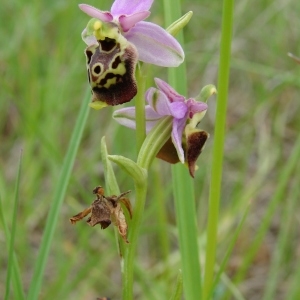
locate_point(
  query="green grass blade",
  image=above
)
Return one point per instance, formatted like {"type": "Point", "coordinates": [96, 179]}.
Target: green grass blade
{"type": "Point", "coordinates": [230, 249]}
{"type": "Point", "coordinates": [177, 294]}
{"type": "Point", "coordinates": [16, 276]}
{"type": "Point", "coordinates": [57, 201]}
{"type": "Point", "coordinates": [11, 252]}
{"type": "Point", "coordinates": [183, 187]}
{"type": "Point", "coordinates": [294, 287]}
{"type": "Point", "coordinates": [219, 138]}
{"type": "Point", "coordinates": [283, 239]}
{"type": "Point", "coordinates": [265, 224]}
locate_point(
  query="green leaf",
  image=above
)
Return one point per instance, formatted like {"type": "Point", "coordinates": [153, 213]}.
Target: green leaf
{"type": "Point", "coordinates": [138, 174]}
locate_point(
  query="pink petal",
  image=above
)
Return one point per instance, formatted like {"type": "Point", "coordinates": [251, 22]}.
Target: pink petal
{"type": "Point", "coordinates": [151, 117]}
{"type": "Point", "coordinates": [129, 7]}
{"type": "Point", "coordinates": [93, 12]}
{"type": "Point", "coordinates": [155, 45]}
{"type": "Point", "coordinates": [126, 117]}
{"type": "Point", "coordinates": [128, 22]}
{"type": "Point", "coordinates": [177, 130]}
{"type": "Point", "coordinates": [169, 91]}
{"type": "Point", "coordinates": [195, 107]}
{"type": "Point", "coordinates": [161, 104]}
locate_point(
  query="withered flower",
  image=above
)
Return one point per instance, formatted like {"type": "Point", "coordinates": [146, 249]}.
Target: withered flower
{"type": "Point", "coordinates": [106, 210]}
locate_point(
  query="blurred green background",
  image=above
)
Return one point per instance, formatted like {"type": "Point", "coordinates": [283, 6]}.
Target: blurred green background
{"type": "Point", "coordinates": [43, 82]}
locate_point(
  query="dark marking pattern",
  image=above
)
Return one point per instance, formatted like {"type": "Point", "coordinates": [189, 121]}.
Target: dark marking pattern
{"type": "Point", "coordinates": [115, 82]}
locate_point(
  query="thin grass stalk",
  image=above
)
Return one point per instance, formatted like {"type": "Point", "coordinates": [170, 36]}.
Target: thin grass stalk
{"type": "Point", "coordinates": [293, 290]}
{"type": "Point", "coordinates": [279, 252]}
{"type": "Point", "coordinates": [58, 197]}
{"type": "Point", "coordinates": [177, 294]}
{"type": "Point", "coordinates": [13, 233]}
{"type": "Point", "coordinates": [16, 276]}
{"type": "Point", "coordinates": [140, 108]}
{"type": "Point", "coordinates": [183, 187]}
{"type": "Point", "coordinates": [218, 147]}
{"type": "Point", "coordinates": [229, 250]}
{"type": "Point", "coordinates": [283, 181]}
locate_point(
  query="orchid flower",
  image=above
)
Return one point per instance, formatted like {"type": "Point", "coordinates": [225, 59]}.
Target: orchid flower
{"type": "Point", "coordinates": [186, 141]}
{"type": "Point", "coordinates": [154, 44]}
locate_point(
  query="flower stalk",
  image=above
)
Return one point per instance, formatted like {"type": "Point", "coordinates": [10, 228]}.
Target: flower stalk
{"type": "Point", "coordinates": [154, 141]}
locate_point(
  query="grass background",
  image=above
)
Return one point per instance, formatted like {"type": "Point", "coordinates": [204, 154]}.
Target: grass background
{"type": "Point", "coordinates": [43, 82]}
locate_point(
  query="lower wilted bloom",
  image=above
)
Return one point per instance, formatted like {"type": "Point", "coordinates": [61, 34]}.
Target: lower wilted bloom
{"type": "Point", "coordinates": [186, 141]}
{"type": "Point", "coordinates": [105, 210]}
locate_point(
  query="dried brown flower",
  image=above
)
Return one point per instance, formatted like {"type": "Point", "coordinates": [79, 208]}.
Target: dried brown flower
{"type": "Point", "coordinates": [105, 210]}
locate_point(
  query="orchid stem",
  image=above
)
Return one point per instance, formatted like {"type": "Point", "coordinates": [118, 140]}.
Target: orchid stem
{"type": "Point", "coordinates": [154, 141]}
{"type": "Point", "coordinates": [140, 193]}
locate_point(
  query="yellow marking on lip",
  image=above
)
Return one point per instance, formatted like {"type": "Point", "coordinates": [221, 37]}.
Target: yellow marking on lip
{"type": "Point", "coordinates": [109, 82]}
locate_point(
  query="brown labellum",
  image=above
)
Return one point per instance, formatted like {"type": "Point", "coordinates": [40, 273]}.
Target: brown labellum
{"type": "Point", "coordinates": [111, 70]}
{"type": "Point", "coordinates": [106, 210]}
{"type": "Point", "coordinates": [192, 146]}
{"type": "Point", "coordinates": [195, 142]}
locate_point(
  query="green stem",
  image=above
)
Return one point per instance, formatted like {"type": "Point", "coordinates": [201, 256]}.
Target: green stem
{"type": "Point", "coordinates": [140, 109]}
{"type": "Point", "coordinates": [154, 141]}
{"type": "Point", "coordinates": [219, 137]}
{"type": "Point", "coordinates": [57, 200]}
{"type": "Point", "coordinates": [140, 192]}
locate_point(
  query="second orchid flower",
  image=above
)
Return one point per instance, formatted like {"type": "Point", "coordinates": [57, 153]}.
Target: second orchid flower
{"type": "Point", "coordinates": [186, 141]}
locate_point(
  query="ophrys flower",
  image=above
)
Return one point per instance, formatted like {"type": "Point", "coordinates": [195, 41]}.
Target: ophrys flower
{"type": "Point", "coordinates": [186, 141]}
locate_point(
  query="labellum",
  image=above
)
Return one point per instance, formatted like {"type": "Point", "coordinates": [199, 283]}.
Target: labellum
{"type": "Point", "coordinates": [193, 144]}
{"type": "Point", "coordinates": [111, 64]}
